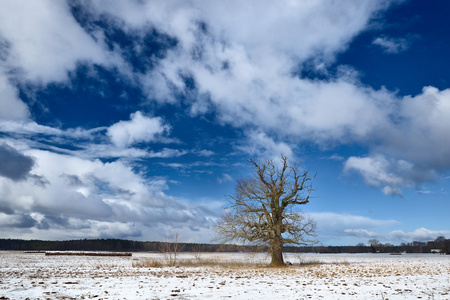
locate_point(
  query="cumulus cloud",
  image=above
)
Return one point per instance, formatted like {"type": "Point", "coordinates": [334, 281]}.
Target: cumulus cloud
{"type": "Point", "coordinates": [13, 164]}
{"type": "Point", "coordinates": [44, 40]}
{"type": "Point", "coordinates": [139, 129]}
{"type": "Point", "coordinates": [411, 150]}
{"type": "Point", "coordinates": [247, 77]}
{"type": "Point", "coordinates": [379, 172]}
{"type": "Point", "coordinates": [248, 81]}
{"type": "Point", "coordinates": [423, 121]}
{"type": "Point", "coordinates": [98, 199]}
{"type": "Point", "coordinates": [268, 26]}
{"type": "Point", "coordinates": [265, 95]}
{"type": "Point", "coordinates": [16, 221]}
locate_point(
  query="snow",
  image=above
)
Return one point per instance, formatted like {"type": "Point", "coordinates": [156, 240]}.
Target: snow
{"type": "Point", "coordinates": [233, 276]}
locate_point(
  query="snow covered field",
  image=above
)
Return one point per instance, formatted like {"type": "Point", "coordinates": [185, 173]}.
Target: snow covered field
{"type": "Point", "coordinates": [236, 276]}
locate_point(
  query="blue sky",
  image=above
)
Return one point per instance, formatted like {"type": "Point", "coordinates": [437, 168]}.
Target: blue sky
{"type": "Point", "coordinates": [133, 119]}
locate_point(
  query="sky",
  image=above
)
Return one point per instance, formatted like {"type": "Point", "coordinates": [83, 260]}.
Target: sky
{"type": "Point", "coordinates": [134, 119]}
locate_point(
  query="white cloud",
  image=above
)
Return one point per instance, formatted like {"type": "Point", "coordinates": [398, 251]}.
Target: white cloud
{"type": "Point", "coordinates": [205, 153]}
{"type": "Point", "coordinates": [44, 40]}
{"type": "Point", "coordinates": [11, 107]}
{"type": "Point", "coordinates": [335, 157]}
{"type": "Point", "coordinates": [419, 234]}
{"type": "Point", "coordinates": [92, 151]}
{"type": "Point", "coordinates": [260, 144]}
{"type": "Point", "coordinates": [266, 96]}
{"type": "Point", "coordinates": [225, 178]}
{"type": "Point", "coordinates": [242, 69]}
{"type": "Point", "coordinates": [392, 45]}
{"type": "Point", "coordinates": [286, 26]}
{"type": "Point", "coordinates": [29, 128]}
{"type": "Point", "coordinates": [341, 228]}
{"type": "Point", "coordinates": [92, 198]}
{"type": "Point", "coordinates": [397, 237]}
{"type": "Point", "coordinates": [361, 233]}
{"type": "Point", "coordinates": [378, 171]}
{"type": "Point", "coordinates": [424, 123]}
{"type": "Point", "coordinates": [139, 129]}
{"type": "Point", "coordinates": [247, 79]}
{"type": "Point", "coordinates": [340, 222]}
{"type": "Point", "coordinates": [94, 143]}
{"type": "Point", "coordinates": [281, 105]}
{"type": "Point", "coordinates": [244, 72]}
{"type": "Point", "coordinates": [166, 152]}
{"type": "Point", "coordinates": [412, 149]}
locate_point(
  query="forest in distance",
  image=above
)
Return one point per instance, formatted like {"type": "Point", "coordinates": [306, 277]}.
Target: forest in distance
{"type": "Point", "coordinates": [441, 244]}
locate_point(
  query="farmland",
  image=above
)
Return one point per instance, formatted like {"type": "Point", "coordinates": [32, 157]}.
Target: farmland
{"type": "Point", "coordinates": [224, 276]}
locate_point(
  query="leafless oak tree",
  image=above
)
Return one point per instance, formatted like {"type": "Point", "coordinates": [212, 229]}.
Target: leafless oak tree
{"type": "Point", "coordinates": [264, 209]}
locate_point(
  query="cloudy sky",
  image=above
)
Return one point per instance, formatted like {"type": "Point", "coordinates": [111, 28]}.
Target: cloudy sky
{"type": "Point", "coordinates": [133, 119]}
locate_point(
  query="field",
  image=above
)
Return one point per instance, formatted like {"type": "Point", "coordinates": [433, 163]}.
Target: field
{"type": "Point", "coordinates": [224, 276]}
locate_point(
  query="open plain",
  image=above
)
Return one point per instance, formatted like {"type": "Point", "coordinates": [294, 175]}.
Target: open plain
{"type": "Point", "coordinates": [224, 276]}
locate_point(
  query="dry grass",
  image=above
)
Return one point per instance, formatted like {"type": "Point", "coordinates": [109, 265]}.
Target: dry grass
{"type": "Point", "coordinates": [210, 262]}
{"type": "Point", "coordinates": [310, 263]}
{"type": "Point", "coordinates": [87, 253]}
{"type": "Point", "coordinates": [218, 262]}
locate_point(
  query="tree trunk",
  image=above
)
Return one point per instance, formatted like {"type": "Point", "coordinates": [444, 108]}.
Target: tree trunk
{"type": "Point", "coordinates": [276, 244]}
{"type": "Point", "coordinates": [277, 259]}
{"type": "Point", "coordinates": [276, 250]}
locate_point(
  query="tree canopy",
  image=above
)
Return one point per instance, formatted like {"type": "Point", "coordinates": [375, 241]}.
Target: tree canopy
{"type": "Point", "coordinates": [264, 208]}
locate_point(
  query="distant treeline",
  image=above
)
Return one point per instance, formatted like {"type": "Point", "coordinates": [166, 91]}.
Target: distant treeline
{"type": "Point", "coordinates": [441, 244]}
{"type": "Point", "coordinates": [415, 247]}
{"type": "Point", "coordinates": [114, 245]}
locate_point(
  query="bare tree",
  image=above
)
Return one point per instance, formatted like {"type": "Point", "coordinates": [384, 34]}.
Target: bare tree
{"type": "Point", "coordinates": [264, 210]}
{"type": "Point", "coordinates": [171, 250]}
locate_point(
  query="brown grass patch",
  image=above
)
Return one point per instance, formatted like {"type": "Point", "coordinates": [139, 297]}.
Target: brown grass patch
{"type": "Point", "coordinates": [87, 253]}
{"type": "Point", "coordinates": [217, 262]}
{"type": "Point", "coordinates": [195, 262]}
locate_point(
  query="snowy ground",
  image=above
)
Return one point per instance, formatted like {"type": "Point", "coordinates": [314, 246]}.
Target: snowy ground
{"type": "Point", "coordinates": [236, 276]}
